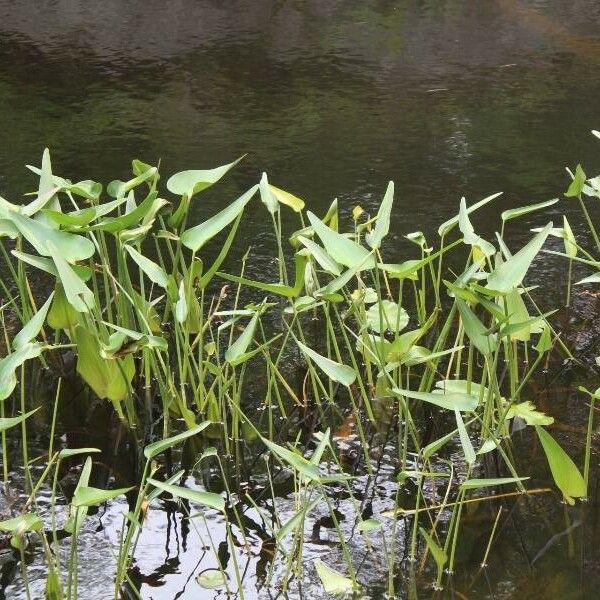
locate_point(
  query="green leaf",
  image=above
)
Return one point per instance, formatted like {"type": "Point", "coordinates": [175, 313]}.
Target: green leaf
{"type": "Point", "coordinates": [469, 235]}
{"type": "Point", "coordinates": [156, 448]}
{"type": "Point", "coordinates": [266, 196]}
{"type": "Point", "coordinates": [514, 213]}
{"type": "Point", "coordinates": [155, 493]}
{"type": "Point", "coordinates": [77, 515]}
{"type": "Point", "coordinates": [209, 499]}
{"type": "Point", "coordinates": [569, 239]}
{"type": "Point", "coordinates": [340, 248]}
{"type": "Point", "coordinates": [475, 484]}
{"type": "Point", "coordinates": [321, 256]}
{"type": "Point", "coordinates": [333, 581]}
{"type": "Point", "coordinates": [33, 327]}
{"type": "Point", "coordinates": [465, 440]}
{"type": "Point", "coordinates": [369, 525]}
{"type": "Point", "coordinates": [292, 525]}
{"type": "Point", "coordinates": [212, 579]}
{"type": "Point", "coordinates": [153, 271]}
{"type": "Point", "coordinates": [275, 288]}
{"type": "Point", "coordinates": [47, 264]}
{"type": "Point", "coordinates": [337, 372]}
{"type": "Point", "coordinates": [8, 422]}
{"type": "Point", "coordinates": [181, 307]}
{"type": "Point", "coordinates": [119, 189]}
{"type": "Point", "coordinates": [79, 296]}
{"type": "Point", "coordinates": [283, 197]}
{"type": "Point", "coordinates": [510, 273]}
{"type": "Point", "coordinates": [68, 452]}
{"type": "Point", "coordinates": [529, 414]}
{"type": "Point", "coordinates": [566, 475]}
{"type": "Point", "coordinates": [22, 524]}
{"type": "Point", "coordinates": [449, 401]}
{"type": "Point", "coordinates": [475, 329]}
{"type": "Point", "coordinates": [382, 224]}
{"type": "Point", "coordinates": [576, 186]}
{"type": "Point", "coordinates": [240, 346]}
{"type": "Point", "coordinates": [439, 555]}
{"type": "Point", "coordinates": [42, 238]}
{"type": "Point", "coordinates": [189, 183]}
{"type": "Point", "coordinates": [146, 209]}
{"type": "Point", "coordinates": [198, 236]}
{"type": "Point", "coordinates": [109, 378]}
{"type": "Point", "coordinates": [10, 363]}
{"type": "Point", "coordinates": [90, 496]}
{"type": "Point", "coordinates": [297, 462]}
{"type": "Point", "coordinates": [434, 446]}
{"type": "Point", "coordinates": [62, 315]}
{"type": "Point", "coordinates": [448, 225]}
{"type": "Point", "coordinates": [386, 315]}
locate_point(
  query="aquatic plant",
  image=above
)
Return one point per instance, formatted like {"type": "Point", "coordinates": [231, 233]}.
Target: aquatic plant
{"type": "Point", "coordinates": [127, 294]}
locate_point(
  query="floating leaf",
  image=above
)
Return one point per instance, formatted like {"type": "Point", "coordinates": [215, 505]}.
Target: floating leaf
{"type": "Point", "coordinates": [22, 524]}
{"type": "Point", "coordinates": [212, 579]}
{"type": "Point", "coordinates": [333, 581]}
{"type": "Point", "coordinates": [386, 315]}
{"type": "Point", "coordinates": [529, 414]}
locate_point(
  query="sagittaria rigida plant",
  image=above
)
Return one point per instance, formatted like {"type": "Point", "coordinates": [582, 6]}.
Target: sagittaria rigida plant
{"type": "Point", "coordinates": [128, 283]}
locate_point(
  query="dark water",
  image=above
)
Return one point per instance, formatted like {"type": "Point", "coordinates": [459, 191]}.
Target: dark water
{"type": "Point", "coordinates": [332, 99]}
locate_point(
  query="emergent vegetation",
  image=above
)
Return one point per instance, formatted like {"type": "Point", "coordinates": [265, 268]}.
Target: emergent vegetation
{"type": "Point", "coordinates": [128, 293]}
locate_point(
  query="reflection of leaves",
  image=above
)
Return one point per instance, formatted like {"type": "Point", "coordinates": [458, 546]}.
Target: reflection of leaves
{"type": "Point", "coordinates": [529, 414]}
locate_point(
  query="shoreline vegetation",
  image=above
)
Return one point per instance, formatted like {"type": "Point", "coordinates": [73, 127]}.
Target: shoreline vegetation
{"type": "Point", "coordinates": [203, 368]}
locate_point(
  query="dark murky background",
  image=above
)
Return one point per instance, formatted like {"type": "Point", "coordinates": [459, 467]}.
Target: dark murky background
{"type": "Point", "coordinates": [331, 99]}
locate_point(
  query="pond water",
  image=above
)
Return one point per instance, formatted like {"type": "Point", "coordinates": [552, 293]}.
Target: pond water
{"type": "Point", "coordinates": [333, 99]}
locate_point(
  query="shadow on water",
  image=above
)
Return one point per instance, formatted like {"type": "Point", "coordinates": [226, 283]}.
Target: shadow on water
{"type": "Point", "coordinates": [333, 99]}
